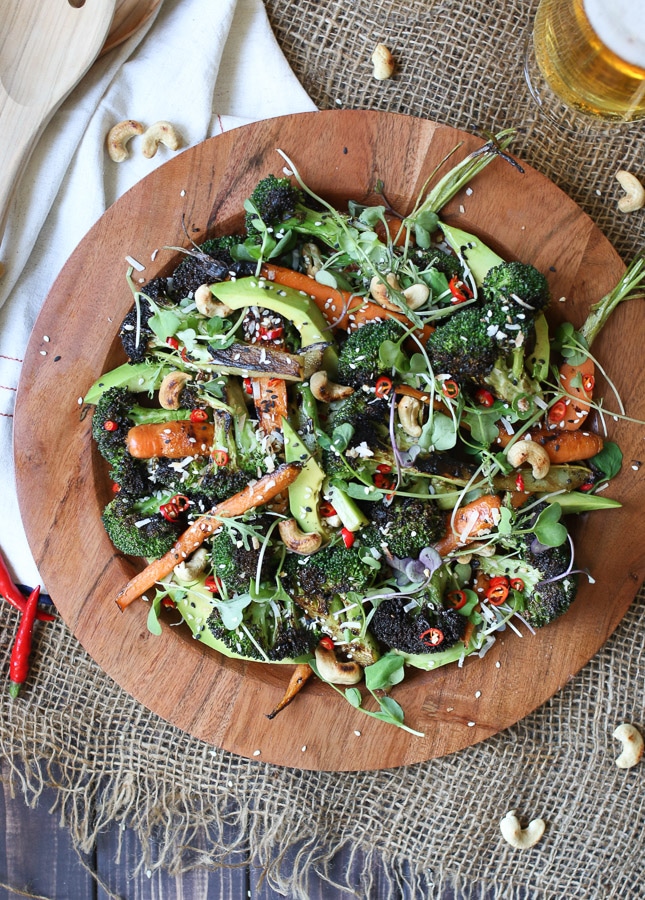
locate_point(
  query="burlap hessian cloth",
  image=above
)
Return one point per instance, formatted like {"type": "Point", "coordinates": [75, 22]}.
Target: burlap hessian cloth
{"type": "Point", "coordinates": [430, 825]}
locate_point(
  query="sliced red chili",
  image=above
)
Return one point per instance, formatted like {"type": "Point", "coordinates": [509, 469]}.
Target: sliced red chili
{"type": "Point", "coordinates": [180, 502]}
{"type": "Point", "coordinates": [588, 383]}
{"type": "Point", "coordinates": [271, 334]}
{"type": "Point", "coordinates": [185, 355]}
{"type": "Point", "coordinates": [198, 415]}
{"type": "Point", "coordinates": [383, 386]}
{"type": "Point", "coordinates": [587, 486]}
{"type": "Point", "coordinates": [348, 537]}
{"type": "Point", "coordinates": [558, 411]}
{"type": "Point", "coordinates": [519, 483]}
{"type": "Point", "coordinates": [497, 590]}
{"type": "Point", "coordinates": [384, 469]}
{"type": "Point", "coordinates": [116, 488]}
{"type": "Point", "coordinates": [327, 643]}
{"type": "Point", "coordinates": [212, 584]}
{"type": "Point", "coordinates": [220, 457]}
{"type": "Point", "coordinates": [382, 481]}
{"type": "Point", "coordinates": [456, 599]}
{"type": "Point", "coordinates": [248, 385]}
{"type": "Point", "coordinates": [173, 342]}
{"type": "Point", "coordinates": [110, 425]}
{"type": "Point", "coordinates": [450, 389]}
{"type": "Point", "coordinates": [459, 290]}
{"type": "Point", "coordinates": [326, 510]}
{"type": "Point", "coordinates": [484, 397]}
{"type": "Point", "coordinates": [517, 584]}
{"type": "Point", "coordinates": [168, 603]}
{"type": "Point", "coordinates": [169, 511]}
{"type": "Point", "coordinates": [433, 637]}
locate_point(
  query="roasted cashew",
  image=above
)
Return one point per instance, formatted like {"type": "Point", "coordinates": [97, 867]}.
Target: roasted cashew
{"type": "Point", "coordinates": [532, 453]}
{"type": "Point", "coordinates": [634, 192]}
{"type": "Point", "coordinates": [296, 540]}
{"type": "Point", "coordinates": [160, 133]}
{"type": "Point", "coordinates": [171, 388]}
{"type": "Point", "coordinates": [518, 837]}
{"type": "Point", "coordinates": [383, 63]}
{"type": "Point", "coordinates": [416, 295]}
{"type": "Point", "coordinates": [190, 569]}
{"type": "Point", "coordinates": [334, 670]}
{"type": "Point", "coordinates": [118, 137]}
{"type": "Point", "coordinates": [632, 742]}
{"type": "Point", "coordinates": [409, 409]}
{"type": "Point", "coordinates": [208, 305]}
{"type": "Point", "coordinates": [327, 391]}
{"type": "Point", "coordinates": [379, 293]}
{"type": "Point", "coordinates": [312, 258]}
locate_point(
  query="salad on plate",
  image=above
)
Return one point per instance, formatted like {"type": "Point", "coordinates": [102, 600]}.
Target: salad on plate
{"type": "Point", "coordinates": [351, 442]}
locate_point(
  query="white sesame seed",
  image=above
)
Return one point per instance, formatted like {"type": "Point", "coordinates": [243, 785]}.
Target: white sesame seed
{"type": "Point", "coordinates": [478, 694]}
{"type": "Point", "coordinates": [357, 733]}
{"type": "Point", "coordinates": [256, 752]}
{"type": "Point", "coordinates": [46, 338]}
{"type": "Point", "coordinates": [471, 724]}
{"type": "Point", "coordinates": [304, 748]}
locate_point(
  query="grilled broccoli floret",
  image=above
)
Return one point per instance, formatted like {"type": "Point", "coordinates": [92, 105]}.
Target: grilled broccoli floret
{"type": "Point", "coordinates": [409, 525]}
{"type": "Point", "coordinates": [419, 630]}
{"type": "Point", "coordinates": [335, 569]}
{"type": "Point", "coordinates": [268, 632]}
{"type": "Point", "coordinates": [236, 556]}
{"type": "Point", "coordinates": [515, 288]}
{"type": "Point", "coordinates": [209, 263]}
{"type": "Point", "coordinates": [136, 527]}
{"type": "Point", "coordinates": [462, 348]}
{"type": "Point", "coordinates": [359, 361]}
{"type": "Point", "coordinates": [436, 258]}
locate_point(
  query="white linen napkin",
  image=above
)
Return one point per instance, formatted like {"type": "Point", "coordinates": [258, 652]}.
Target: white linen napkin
{"type": "Point", "coordinates": [205, 66]}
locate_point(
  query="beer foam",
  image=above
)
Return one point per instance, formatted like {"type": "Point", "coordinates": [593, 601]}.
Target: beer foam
{"type": "Point", "coordinates": [621, 27]}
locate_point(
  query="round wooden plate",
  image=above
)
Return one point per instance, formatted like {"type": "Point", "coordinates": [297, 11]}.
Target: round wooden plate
{"type": "Point", "coordinates": [62, 484]}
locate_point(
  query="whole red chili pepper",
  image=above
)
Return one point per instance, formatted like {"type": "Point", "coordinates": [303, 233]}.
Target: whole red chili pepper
{"type": "Point", "coordinates": [19, 662]}
{"type": "Point", "coordinates": [12, 595]}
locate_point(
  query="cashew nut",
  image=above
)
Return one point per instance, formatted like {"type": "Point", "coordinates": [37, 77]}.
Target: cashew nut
{"type": "Point", "coordinates": [379, 292]}
{"type": "Point", "coordinates": [518, 837]}
{"type": "Point", "coordinates": [416, 295]}
{"type": "Point", "coordinates": [207, 305]}
{"type": "Point", "coordinates": [409, 409]}
{"type": "Point", "coordinates": [160, 133]}
{"type": "Point", "coordinates": [190, 569]}
{"type": "Point", "coordinates": [632, 742]}
{"type": "Point", "coordinates": [383, 63]}
{"type": "Point", "coordinates": [634, 192]}
{"type": "Point", "coordinates": [312, 258]}
{"type": "Point", "coordinates": [327, 391]}
{"type": "Point", "coordinates": [532, 453]}
{"type": "Point", "coordinates": [333, 669]}
{"type": "Point", "coordinates": [170, 389]}
{"type": "Point", "coordinates": [298, 541]}
{"type": "Point", "coordinates": [118, 137]}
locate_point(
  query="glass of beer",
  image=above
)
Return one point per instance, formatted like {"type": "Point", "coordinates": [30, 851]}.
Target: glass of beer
{"type": "Point", "coordinates": [589, 56]}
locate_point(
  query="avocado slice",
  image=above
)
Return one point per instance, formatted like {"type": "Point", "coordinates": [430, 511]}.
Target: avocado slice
{"type": "Point", "coordinates": [304, 492]}
{"type": "Point", "coordinates": [293, 305]}
{"type": "Point", "coordinates": [136, 377]}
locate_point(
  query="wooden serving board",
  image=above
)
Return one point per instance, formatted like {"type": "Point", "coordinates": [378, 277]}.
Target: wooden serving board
{"type": "Point", "coordinates": [61, 478]}
{"type": "Point", "coordinates": [129, 15]}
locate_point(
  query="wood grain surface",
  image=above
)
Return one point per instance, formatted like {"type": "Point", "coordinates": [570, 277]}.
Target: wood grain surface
{"type": "Point", "coordinates": [129, 15]}
{"type": "Point", "coordinates": [45, 49]}
{"type": "Point", "coordinates": [62, 485]}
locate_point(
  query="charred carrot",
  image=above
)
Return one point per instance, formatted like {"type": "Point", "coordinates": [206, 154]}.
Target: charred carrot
{"type": "Point", "coordinates": [562, 446]}
{"type": "Point", "coordinates": [173, 440]}
{"type": "Point", "coordinates": [19, 662]}
{"type": "Point", "coordinates": [300, 676]}
{"type": "Point", "coordinates": [468, 522]}
{"type": "Point", "coordinates": [577, 382]}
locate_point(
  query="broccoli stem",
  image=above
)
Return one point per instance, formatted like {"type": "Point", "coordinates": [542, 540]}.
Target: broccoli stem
{"type": "Point", "coordinates": [628, 288]}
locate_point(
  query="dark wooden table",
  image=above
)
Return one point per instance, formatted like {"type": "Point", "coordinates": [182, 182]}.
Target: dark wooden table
{"type": "Point", "coordinates": [37, 859]}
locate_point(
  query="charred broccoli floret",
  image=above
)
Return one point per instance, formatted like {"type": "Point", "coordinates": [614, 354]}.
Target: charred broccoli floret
{"type": "Point", "coordinates": [462, 348]}
{"type": "Point", "coordinates": [409, 525]}
{"type": "Point", "coordinates": [359, 362]}
{"type": "Point", "coordinates": [137, 528]}
{"type": "Point", "coordinates": [436, 258]}
{"type": "Point", "coordinates": [211, 262]}
{"type": "Point", "coordinates": [516, 288]}
{"type": "Point", "coordinates": [423, 629]}
{"type": "Point", "coordinates": [236, 557]}
{"type": "Point", "coordinates": [335, 569]}
{"type": "Point", "coordinates": [268, 632]}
